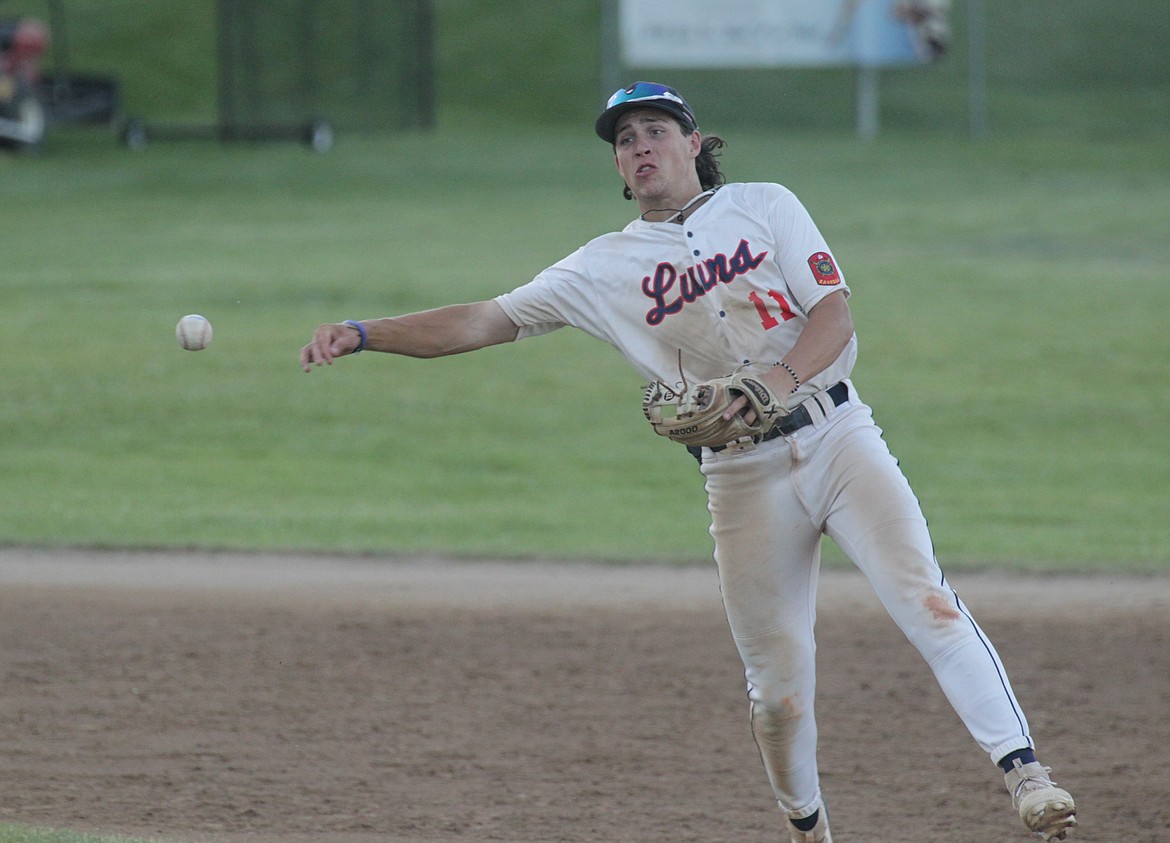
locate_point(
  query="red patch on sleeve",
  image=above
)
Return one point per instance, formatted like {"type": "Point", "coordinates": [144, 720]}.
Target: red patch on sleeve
{"type": "Point", "coordinates": [823, 269]}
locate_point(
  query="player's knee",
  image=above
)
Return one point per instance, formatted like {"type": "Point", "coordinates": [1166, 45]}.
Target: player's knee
{"type": "Point", "coordinates": [780, 673]}
{"type": "Point", "coordinates": [777, 722]}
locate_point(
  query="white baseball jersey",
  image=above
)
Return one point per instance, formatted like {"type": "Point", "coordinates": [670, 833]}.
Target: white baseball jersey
{"type": "Point", "coordinates": [732, 285]}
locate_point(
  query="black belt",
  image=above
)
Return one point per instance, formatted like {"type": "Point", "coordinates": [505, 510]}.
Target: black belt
{"type": "Point", "coordinates": [794, 421]}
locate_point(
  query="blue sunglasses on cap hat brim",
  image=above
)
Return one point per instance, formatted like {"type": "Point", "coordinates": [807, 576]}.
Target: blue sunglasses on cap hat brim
{"type": "Point", "coordinates": [643, 95]}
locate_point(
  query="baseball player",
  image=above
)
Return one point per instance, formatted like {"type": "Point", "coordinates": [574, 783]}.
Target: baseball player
{"type": "Point", "coordinates": [729, 302]}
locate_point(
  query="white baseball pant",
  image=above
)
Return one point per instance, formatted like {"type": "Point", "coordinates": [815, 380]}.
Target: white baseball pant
{"type": "Point", "coordinates": [770, 504]}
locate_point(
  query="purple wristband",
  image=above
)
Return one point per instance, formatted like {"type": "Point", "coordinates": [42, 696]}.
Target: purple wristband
{"type": "Point", "coordinates": [361, 329]}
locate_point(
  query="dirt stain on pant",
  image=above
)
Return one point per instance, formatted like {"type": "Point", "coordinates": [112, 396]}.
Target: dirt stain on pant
{"type": "Point", "coordinates": [941, 608]}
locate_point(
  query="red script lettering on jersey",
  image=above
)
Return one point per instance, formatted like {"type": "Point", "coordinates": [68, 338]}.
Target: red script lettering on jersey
{"type": "Point", "coordinates": [696, 281]}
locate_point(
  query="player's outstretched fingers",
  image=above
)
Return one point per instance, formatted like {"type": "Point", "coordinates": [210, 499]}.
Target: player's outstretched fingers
{"type": "Point", "coordinates": [329, 341]}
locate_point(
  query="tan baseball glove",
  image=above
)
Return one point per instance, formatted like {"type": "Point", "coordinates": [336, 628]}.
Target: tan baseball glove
{"type": "Point", "coordinates": [694, 415]}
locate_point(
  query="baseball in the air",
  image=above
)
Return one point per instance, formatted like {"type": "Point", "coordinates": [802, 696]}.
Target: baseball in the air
{"type": "Point", "coordinates": [193, 332]}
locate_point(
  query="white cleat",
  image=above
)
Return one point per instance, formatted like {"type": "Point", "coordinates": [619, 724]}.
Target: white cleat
{"type": "Point", "coordinates": [1047, 810]}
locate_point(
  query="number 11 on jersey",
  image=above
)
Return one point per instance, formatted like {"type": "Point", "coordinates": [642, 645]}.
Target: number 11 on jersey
{"type": "Point", "coordinates": [767, 319]}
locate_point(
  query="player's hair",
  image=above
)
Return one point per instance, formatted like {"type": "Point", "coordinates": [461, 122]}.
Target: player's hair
{"type": "Point", "coordinates": [706, 164]}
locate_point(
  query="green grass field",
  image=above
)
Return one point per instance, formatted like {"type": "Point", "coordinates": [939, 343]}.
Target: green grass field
{"type": "Point", "coordinates": [1009, 298]}
{"type": "Point", "coordinates": [21, 834]}
{"type": "Point", "coordinates": [1008, 293]}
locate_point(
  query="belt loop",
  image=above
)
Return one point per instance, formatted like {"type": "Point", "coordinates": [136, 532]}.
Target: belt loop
{"type": "Point", "coordinates": [817, 406]}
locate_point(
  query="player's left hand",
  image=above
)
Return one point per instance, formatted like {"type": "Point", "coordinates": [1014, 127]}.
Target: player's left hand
{"type": "Point", "coordinates": [717, 412]}
{"type": "Point", "coordinates": [742, 406]}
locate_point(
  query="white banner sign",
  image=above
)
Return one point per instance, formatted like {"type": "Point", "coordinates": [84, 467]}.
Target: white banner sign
{"type": "Point", "coordinates": [771, 33]}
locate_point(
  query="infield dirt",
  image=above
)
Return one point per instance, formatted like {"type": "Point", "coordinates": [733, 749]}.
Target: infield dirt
{"type": "Point", "coordinates": [253, 699]}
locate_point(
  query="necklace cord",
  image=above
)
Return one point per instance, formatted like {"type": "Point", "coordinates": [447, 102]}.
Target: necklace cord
{"type": "Point", "coordinates": [677, 214]}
